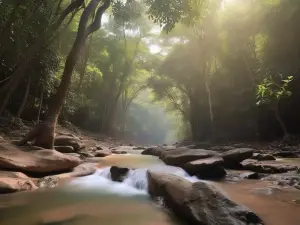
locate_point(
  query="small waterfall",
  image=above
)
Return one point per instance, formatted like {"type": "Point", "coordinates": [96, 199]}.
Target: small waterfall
{"type": "Point", "coordinates": [135, 183]}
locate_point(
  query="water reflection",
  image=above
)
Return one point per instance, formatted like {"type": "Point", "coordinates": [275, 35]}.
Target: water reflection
{"type": "Point", "coordinates": [82, 207]}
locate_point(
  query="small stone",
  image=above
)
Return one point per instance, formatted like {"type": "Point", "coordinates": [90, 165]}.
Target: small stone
{"type": "Point", "coordinates": [98, 147]}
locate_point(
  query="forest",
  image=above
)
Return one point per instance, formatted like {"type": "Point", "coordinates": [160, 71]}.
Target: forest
{"type": "Point", "coordinates": [209, 70]}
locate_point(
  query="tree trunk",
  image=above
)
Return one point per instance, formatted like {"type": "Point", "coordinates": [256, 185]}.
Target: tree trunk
{"type": "Point", "coordinates": [279, 119]}
{"type": "Point", "coordinates": [21, 109]}
{"type": "Point", "coordinates": [211, 114]}
{"type": "Point", "coordinates": [84, 64]}
{"type": "Point", "coordinates": [194, 122]}
{"type": "Point", "coordinates": [43, 134]}
{"type": "Point", "coordinates": [41, 103]}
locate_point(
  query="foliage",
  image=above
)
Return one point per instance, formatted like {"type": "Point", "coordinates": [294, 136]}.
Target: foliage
{"type": "Point", "coordinates": [269, 91]}
{"type": "Point", "coordinates": [217, 61]}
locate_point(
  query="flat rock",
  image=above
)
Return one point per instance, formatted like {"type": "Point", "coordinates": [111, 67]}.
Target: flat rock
{"type": "Point", "coordinates": [267, 167]}
{"type": "Point", "coordinates": [181, 156]}
{"type": "Point", "coordinates": [232, 158]}
{"type": "Point", "coordinates": [39, 162]}
{"type": "Point", "coordinates": [210, 168]}
{"type": "Point", "coordinates": [64, 149]}
{"type": "Point", "coordinates": [65, 140]}
{"type": "Point", "coordinates": [198, 203]}
{"type": "Point", "coordinates": [263, 157]}
{"type": "Point", "coordinates": [286, 154]}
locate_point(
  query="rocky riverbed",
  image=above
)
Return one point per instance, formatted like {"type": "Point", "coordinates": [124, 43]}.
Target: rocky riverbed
{"type": "Point", "coordinates": [207, 183]}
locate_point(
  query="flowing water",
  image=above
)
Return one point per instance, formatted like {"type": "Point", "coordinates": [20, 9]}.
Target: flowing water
{"type": "Point", "coordinates": [95, 199]}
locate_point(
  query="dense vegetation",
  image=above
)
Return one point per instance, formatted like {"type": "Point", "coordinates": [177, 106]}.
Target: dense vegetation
{"type": "Point", "coordinates": [226, 69]}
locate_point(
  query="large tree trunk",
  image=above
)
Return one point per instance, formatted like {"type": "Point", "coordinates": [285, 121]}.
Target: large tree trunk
{"type": "Point", "coordinates": [43, 134]}
{"type": "Point", "coordinates": [22, 106]}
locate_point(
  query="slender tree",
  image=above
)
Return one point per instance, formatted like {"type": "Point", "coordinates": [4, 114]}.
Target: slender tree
{"type": "Point", "coordinates": [43, 134]}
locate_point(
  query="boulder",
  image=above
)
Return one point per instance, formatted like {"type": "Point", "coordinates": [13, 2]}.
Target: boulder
{"type": "Point", "coordinates": [267, 167]}
{"type": "Point", "coordinates": [37, 162]}
{"type": "Point", "coordinates": [64, 149]}
{"type": "Point", "coordinates": [232, 158]}
{"type": "Point", "coordinates": [102, 153]}
{"type": "Point", "coordinates": [198, 203]}
{"type": "Point", "coordinates": [15, 181]}
{"type": "Point", "coordinates": [118, 174]}
{"type": "Point", "coordinates": [65, 140]}
{"type": "Point", "coordinates": [181, 156]}
{"type": "Point", "coordinates": [84, 169]}
{"type": "Point", "coordinates": [263, 157]}
{"type": "Point", "coordinates": [210, 168]}
{"type": "Point", "coordinates": [155, 151]}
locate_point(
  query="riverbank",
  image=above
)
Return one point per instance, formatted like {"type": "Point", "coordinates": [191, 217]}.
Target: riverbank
{"type": "Point", "coordinates": [255, 177]}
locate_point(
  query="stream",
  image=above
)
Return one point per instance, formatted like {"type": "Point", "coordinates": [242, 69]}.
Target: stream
{"type": "Point", "coordinates": [95, 199]}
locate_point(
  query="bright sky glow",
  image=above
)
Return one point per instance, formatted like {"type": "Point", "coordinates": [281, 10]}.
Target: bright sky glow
{"type": "Point", "coordinates": [226, 2]}
{"type": "Point", "coordinates": [154, 49]}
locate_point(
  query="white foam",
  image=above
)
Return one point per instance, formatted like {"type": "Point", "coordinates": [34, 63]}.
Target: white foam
{"type": "Point", "coordinates": [135, 183]}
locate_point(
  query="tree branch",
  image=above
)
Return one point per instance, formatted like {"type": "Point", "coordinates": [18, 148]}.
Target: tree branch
{"type": "Point", "coordinates": [73, 6]}
{"type": "Point", "coordinates": [96, 24]}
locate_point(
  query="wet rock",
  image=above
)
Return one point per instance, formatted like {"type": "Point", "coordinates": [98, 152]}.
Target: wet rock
{"type": "Point", "coordinates": [48, 182]}
{"type": "Point", "coordinates": [210, 168]}
{"type": "Point", "coordinates": [86, 154]}
{"type": "Point", "coordinates": [181, 156]}
{"type": "Point", "coordinates": [118, 174]}
{"type": "Point", "coordinates": [84, 169]}
{"type": "Point", "coordinates": [9, 185]}
{"type": "Point", "coordinates": [65, 140]}
{"type": "Point", "coordinates": [222, 148]}
{"type": "Point", "coordinates": [198, 203]}
{"type": "Point", "coordinates": [38, 162]}
{"type": "Point", "coordinates": [64, 149]}
{"type": "Point", "coordinates": [15, 181]}
{"type": "Point", "coordinates": [102, 153]}
{"type": "Point", "coordinates": [286, 154]}
{"type": "Point", "coordinates": [98, 147]}
{"type": "Point", "coordinates": [263, 157]}
{"type": "Point", "coordinates": [266, 167]}
{"type": "Point", "coordinates": [73, 154]}
{"type": "Point", "coordinates": [250, 175]}
{"type": "Point", "coordinates": [232, 158]}
{"type": "Point", "coordinates": [155, 151]}
{"type": "Point", "coordinates": [139, 148]}
{"type": "Point", "coordinates": [291, 178]}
